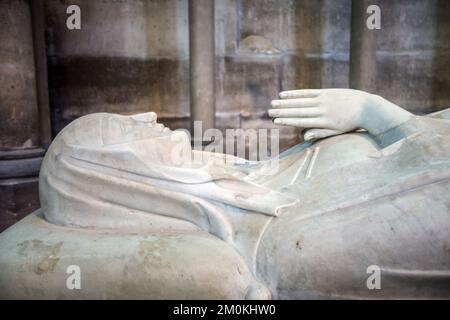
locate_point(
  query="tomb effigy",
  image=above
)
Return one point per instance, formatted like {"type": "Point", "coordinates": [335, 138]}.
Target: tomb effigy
{"type": "Point", "coordinates": [123, 200]}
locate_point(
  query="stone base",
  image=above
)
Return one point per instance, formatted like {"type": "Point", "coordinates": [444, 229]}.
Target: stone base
{"type": "Point", "coordinates": [18, 198]}
{"type": "Point", "coordinates": [35, 260]}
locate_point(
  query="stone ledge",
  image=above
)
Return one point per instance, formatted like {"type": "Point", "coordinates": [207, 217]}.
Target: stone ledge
{"type": "Point", "coordinates": [34, 256]}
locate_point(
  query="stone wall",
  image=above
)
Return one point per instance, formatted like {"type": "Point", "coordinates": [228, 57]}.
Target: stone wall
{"type": "Point", "coordinates": [21, 149]}
{"type": "Point", "coordinates": [132, 56]}
{"type": "Point", "coordinates": [129, 56]}
{"type": "Point", "coordinates": [279, 45]}
{"type": "Point", "coordinates": [18, 102]}
{"type": "Point", "coordinates": [414, 54]}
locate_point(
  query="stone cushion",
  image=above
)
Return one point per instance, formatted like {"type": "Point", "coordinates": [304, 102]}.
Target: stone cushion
{"type": "Point", "coordinates": [35, 260]}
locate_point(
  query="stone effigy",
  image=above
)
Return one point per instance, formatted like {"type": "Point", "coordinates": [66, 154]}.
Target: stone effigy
{"type": "Point", "coordinates": [124, 199]}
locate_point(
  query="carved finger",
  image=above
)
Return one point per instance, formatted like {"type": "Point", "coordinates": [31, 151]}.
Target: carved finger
{"type": "Point", "coordinates": [294, 112]}
{"type": "Point", "coordinates": [294, 103]}
{"type": "Point", "coordinates": [299, 122]}
{"type": "Point", "coordinates": [304, 93]}
{"type": "Point", "coordinates": [313, 134]}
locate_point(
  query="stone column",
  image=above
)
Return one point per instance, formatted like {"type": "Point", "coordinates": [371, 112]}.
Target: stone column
{"type": "Point", "coordinates": [24, 117]}
{"type": "Point", "coordinates": [363, 49]}
{"type": "Point", "coordinates": [202, 60]}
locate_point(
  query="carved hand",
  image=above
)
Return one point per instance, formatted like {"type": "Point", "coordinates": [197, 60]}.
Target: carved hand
{"type": "Point", "coordinates": [334, 111]}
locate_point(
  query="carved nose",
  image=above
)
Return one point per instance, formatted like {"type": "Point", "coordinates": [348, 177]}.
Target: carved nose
{"type": "Point", "coordinates": [148, 117]}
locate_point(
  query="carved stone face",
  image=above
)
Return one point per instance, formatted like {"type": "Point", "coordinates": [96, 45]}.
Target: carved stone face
{"type": "Point", "coordinates": [149, 141]}
{"type": "Point", "coordinates": [119, 129]}
{"type": "Point", "coordinates": [136, 139]}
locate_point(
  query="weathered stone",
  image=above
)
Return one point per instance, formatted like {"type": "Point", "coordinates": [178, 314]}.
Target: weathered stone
{"type": "Point", "coordinates": [418, 82]}
{"type": "Point", "coordinates": [314, 35]}
{"type": "Point", "coordinates": [18, 197]}
{"type": "Point", "coordinates": [246, 83]}
{"type": "Point", "coordinates": [175, 229]}
{"type": "Point", "coordinates": [38, 254]}
{"type": "Point", "coordinates": [413, 59]}
{"type": "Point", "coordinates": [227, 18]}
{"type": "Point", "coordinates": [85, 85]}
{"type": "Point", "coordinates": [19, 115]}
{"type": "Point", "coordinates": [315, 71]}
{"type": "Point", "coordinates": [257, 45]}
{"type": "Point", "coordinates": [412, 26]}
{"type": "Point", "coordinates": [108, 28]}
{"type": "Point", "coordinates": [167, 28]}
{"type": "Point", "coordinates": [131, 56]}
{"type": "Point", "coordinates": [310, 26]}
